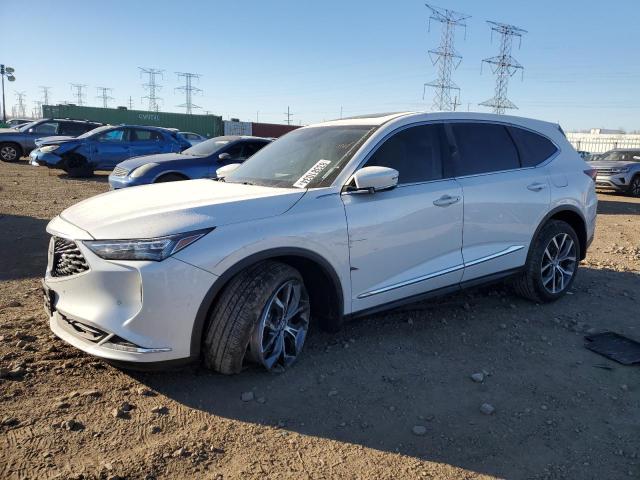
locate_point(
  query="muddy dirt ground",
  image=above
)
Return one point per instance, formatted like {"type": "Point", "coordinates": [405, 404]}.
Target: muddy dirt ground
{"type": "Point", "coordinates": [389, 397]}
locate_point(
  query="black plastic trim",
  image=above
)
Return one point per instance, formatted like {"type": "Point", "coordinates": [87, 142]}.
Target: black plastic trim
{"type": "Point", "coordinates": [551, 213]}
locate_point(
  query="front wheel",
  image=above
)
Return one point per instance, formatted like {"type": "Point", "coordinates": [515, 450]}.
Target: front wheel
{"type": "Point", "coordinates": [77, 166]}
{"type": "Point", "coordinates": [634, 187]}
{"type": "Point", "coordinates": [9, 152]}
{"type": "Point", "coordinates": [262, 316]}
{"type": "Point", "coordinates": [552, 264]}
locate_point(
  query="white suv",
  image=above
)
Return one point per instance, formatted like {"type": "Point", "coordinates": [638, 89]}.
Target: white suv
{"type": "Point", "coordinates": [330, 221]}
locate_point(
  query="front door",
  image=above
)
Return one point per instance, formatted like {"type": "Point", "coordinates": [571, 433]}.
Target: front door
{"type": "Point", "coordinates": [110, 148]}
{"type": "Point", "coordinates": [146, 142]}
{"type": "Point", "coordinates": [408, 240]}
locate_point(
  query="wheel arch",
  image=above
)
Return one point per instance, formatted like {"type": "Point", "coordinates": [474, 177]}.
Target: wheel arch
{"type": "Point", "coordinates": [327, 304]}
{"type": "Point", "coordinates": [574, 217]}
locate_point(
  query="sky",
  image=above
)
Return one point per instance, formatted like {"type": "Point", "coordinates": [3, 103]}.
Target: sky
{"type": "Point", "coordinates": [325, 59]}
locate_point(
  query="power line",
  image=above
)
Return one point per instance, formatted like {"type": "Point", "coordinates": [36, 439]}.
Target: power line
{"type": "Point", "coordinates": [504, 66]}
{"type": "Point", "coordinates": [78, 93]}
{"type": "Point", "coordinates": [45, 94]}
{"type": "Point", "coordinates": [130, 103]}
{"type": "Point", "coordinates": [445, 57]}
{"type": "Point", "coordinates": [103, 94]}
{"type": "Point", "coordinates": [189, 90]}
{"type": "Point", "coordinates": [152, 87]}
{"type": "Point", "coordinates": [37, 109]}
{"type": "Point", "coordinates": [289, 115]}
{"type": "Point", "coordinates": [20, 110]}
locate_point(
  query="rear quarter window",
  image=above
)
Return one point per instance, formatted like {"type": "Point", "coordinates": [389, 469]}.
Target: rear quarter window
{"type": "Point", "coordinates": [534, 148]}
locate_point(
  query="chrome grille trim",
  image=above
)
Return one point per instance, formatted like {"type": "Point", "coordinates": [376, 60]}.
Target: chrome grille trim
{"type": "Point", "coordinates": [120, 172]}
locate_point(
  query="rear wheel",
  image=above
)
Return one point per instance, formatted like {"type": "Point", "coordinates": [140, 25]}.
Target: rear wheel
{"type": "Point", "coordinates": [9, 152]}
{"type": "Point", "coordinates": [552, 264]}
{"type": "Point", "coordinates": [77, 166]}
{"type": "Point", "coordinates": [262, 316]}
{"type": "Point", "coordinates": [170, 177]}
{"type": "Point", "coordinates": [634, 187]}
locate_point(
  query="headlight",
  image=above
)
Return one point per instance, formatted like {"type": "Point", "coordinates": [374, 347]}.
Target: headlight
{"type": "Point", "coordinates": [156, 249]}
{"type": "Point", "coordinates": [620, 170]}
{"type": "Point", "coordinates": [138, 172]}
{"type": "Point", "coordinates": [48, 148]}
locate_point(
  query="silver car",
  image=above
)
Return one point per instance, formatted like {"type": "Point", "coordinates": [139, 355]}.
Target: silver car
{"type": "Point", "coordinates": [619, 170]}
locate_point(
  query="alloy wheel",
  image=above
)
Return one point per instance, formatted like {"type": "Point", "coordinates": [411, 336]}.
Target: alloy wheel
{"type": "Point", "coordinates": [635, 187]}
{"type": "Point", "coordinates": [559, 263]}
{"type": "Point", "coordinates": [8, 153]}
{"type": "Point", "coordinates": [282, 329]}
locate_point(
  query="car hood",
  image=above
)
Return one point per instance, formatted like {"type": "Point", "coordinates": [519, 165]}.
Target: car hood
{"type": "Point", "coordinates": [136, 162]}
{"type": "Point", "coordinates": [53, 140]}
{"type": "Point", "coordinates": [166, 208]}
{"type": "Point", "coordinates": [609, 164]}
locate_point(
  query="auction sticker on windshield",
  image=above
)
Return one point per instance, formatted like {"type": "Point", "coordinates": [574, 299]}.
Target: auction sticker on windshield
{"type": "Point", "coordinates": [312, 173]}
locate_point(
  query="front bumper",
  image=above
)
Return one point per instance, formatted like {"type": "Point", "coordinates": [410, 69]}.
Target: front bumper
{"type": "Point", "coordinates": [128, 311]}
{"type": "Point", "coordinates": [48, 159]}
{"type": "Point", "coordinates": [117, 182]}
{"type": "Point", "coordinates": [616, 182]}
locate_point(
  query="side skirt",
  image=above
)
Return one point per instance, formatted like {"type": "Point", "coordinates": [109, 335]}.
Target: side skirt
{"type": "Point", "coordinates": [486, 280]}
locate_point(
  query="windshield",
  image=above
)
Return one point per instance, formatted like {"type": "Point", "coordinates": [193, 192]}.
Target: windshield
{"type": "Point", "coordinates": [304, 158]}
{"type": "Point", "coordinates": [620, 156]}
{"type": "Point", "coordinates": [208, 147]}
{"type": "Point", "coordinates": [94, 131]}
{"type": "Point", "coordinates": [26, 127]}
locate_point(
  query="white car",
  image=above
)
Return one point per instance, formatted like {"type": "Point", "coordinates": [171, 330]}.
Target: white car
{"type": "Point", "coordinates": [329, 222]}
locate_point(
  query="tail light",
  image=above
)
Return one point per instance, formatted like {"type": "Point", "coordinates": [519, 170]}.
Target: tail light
{"type": "Point", "coordinates": [591, 172]}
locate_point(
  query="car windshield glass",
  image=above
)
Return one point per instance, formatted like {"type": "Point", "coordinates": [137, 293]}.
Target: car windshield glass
{"type": "Point", "coordinates": [26, 127]}
{"type": "Point", "coordinates": [619, 156]}
{"type": "Point", "coordinates": [304, 158]}
{"type": "Point", "coordinates": [207, 147]}
{"type": "Point", "coordinates": [94, 131]}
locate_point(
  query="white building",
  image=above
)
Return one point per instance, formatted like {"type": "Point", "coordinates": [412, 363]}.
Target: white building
{"type": "Point", "coordinates": [600, 140]}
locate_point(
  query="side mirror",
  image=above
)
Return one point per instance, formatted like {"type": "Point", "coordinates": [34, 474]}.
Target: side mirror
{"type": "Point", "coordinates": [227, 169]}
{"type": "Point", "coordinates": [223, 157]}
{"type": "Point", "coordinates": [373, 179]}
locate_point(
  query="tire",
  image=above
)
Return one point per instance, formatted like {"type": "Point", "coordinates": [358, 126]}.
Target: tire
{"type": "Point", "coordinates": [170, 177]}
{"type": "Point", "coordinates": [242, 317]}
{"type": "Point", "coordinates": [634, 187]}
{"type": "Point", "coordinates": [542, 281]}
{"type": "Point", "coordinates": [77, 166]}
{"type": "Point", "coordinates": [10, 152]}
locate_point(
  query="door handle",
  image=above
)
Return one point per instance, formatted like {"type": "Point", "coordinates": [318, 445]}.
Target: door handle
{"type": "Point", "coordinates": [536, 187]}
{"type": "Point", "coordinates": [445, 201]}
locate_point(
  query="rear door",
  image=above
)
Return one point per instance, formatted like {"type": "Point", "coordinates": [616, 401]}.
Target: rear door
{"type": "Point", "coordinates": [144, 141]}
{"type": "Point", "coordinates": [408, 240]}
{"type": "Point", "coordinates": [110, 148]}
{"type": "Point", "coordinates": [504, 200]}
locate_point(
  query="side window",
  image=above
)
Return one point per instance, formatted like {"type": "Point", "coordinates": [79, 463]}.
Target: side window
{"type": "Point", "coordinates": [252, 147]}
{"type": "Point", "coordinates": [72, 129]}
{"type": "Point", "coordinates": [534, 149]}
{"type": "Point", "coordinates": [47, 128]}
{"type": "Point", "coordinates": [235, 151]}
{"type": "Point", "coordinates": [112, 136]}
{"type": "Point", "coordinates": [483, 148]}
{"type": "Point", "coordinates": [416, 153]}
{"type": "Point", "coordinates": [140, 135]}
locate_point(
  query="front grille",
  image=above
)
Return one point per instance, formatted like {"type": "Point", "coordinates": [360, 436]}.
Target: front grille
{"type": "Point", "coordinates": [120, 172]}
{"type": "Point", "coordinates": [604, 171]}
{"type": "Point", "coordinates": [67, 258]}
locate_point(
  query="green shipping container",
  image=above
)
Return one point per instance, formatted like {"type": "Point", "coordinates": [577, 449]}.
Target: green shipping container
{"type": "Point", "coordinates": [207, 125]}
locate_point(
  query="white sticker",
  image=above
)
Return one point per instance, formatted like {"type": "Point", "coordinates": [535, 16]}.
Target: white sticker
{"type": "Point", "coordinates": [312, 173]}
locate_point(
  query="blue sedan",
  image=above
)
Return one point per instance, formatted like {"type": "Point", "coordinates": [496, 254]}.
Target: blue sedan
{"type": "Point", "coordinates": [200, 161]}
{"type": "Point", "coordinates": [104, 147]}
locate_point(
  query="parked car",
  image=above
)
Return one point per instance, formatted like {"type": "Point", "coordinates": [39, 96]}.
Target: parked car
{"type": "Point", "coordinates": [16, 122]}
{"type": "Point", "coordinates": [619, 170]}
{"type": "Point", "coordinates": [103, 148]}
{"type": "Point", "coordinates": [330, 221]}
{"type": "Point", "coordinates": [192, 138]}
{"type": "Point", "coordinates": [17, 143]}
{"type": "Point", "coordinates": [200, 161]}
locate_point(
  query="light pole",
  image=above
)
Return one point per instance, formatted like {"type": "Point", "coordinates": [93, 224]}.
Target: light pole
{"type": "Point", "coordinates": [5, 72]}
